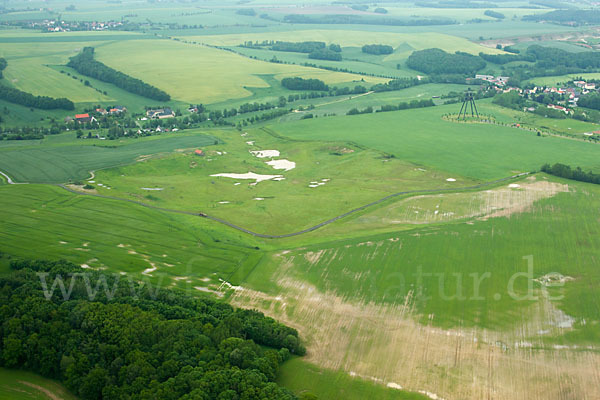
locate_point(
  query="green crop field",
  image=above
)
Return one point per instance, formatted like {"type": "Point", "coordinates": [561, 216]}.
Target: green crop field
{"type": "Point", "coordinates": [58, 161]}
{"type": "Point", "coordinates": [170, 249]}
{"type": "Point", "coordinates": [473, 150]}
{"type": "Point", "coordinates": [22, 385]}
{"type": "Point", "coordinates": [303, 378]}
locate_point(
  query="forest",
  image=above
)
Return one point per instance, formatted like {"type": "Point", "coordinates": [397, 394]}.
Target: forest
{"type": "Point", "coordinates": [377, 49]}
{"type": "Point", "coordinates": [437, 61]}
{"type": "Point", "coordinates": [298, 83]}
{"type": "Point", "coordinates": [325, 54]}
{"type": "Point", "coordinates": [85, 64]}
{"type": "Point", "coordinates": [134, 341]}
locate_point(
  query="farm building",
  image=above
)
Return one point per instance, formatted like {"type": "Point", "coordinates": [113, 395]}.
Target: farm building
{"type": "Point", "coordinates": [117, 110]}
{"type": "Point", "coordinates": [199, 152]}
{"type": "Point", "coordinates": [160, 113]}
{"type": "Point", "coordinates": [101, 111]}
{"type": "Point", "coordinates": [81, 118]}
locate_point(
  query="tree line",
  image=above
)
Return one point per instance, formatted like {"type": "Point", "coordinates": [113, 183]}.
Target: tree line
{"type": "Point", "coordinates": [364, 20]}
{"type": "Point", "coordinates": [85, 64]}
{"type": "Point", "coordinates": [576, 174]}
{"type": "Point", "coordinates": [133, 341]}
{"type": "Point", "coordinates": [407, 105]}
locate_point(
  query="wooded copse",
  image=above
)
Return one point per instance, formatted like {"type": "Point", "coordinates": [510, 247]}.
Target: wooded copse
{"type": "Point", "coordinates": [377, 49]}
{"type": "Point", "coordinates": [135, 341]}
{"type": "Point", "coordinates": [85, 64]}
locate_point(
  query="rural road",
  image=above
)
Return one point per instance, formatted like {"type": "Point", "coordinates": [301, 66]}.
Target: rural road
{"type": "Point", "coordinates": [307, 230]}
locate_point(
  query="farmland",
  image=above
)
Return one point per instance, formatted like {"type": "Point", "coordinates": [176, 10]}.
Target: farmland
{"type": "Point", "coordinates": [418, 256]}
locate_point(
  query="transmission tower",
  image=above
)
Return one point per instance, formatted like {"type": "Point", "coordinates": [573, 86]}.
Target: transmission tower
{"type": "Point", "coordinates": [468, 101]}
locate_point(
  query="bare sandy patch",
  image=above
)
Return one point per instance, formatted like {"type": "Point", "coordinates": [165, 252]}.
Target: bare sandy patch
{"type": "Point", "coordinates": [265, 153]}
{"type": "Point", "coordinates": [282, 164]}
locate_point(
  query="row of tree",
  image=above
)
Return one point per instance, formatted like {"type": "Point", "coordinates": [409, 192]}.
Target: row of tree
{"type": "Point", "coordinates": [134, 341]}
{"type": "Point", "coordinates": [85, 64]}
{"type": "Point", "coordinates": [577, 174]}
{"type": "Point", "coordinates": [26, 99]}
{"type": "Point", "coordinates": [407, 105]}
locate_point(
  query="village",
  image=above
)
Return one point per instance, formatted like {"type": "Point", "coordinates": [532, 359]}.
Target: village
{"type": "Point", "coordinates": [562, 99]}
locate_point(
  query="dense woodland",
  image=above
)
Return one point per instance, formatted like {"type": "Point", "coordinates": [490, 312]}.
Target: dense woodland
{"type": "Point", "coordinates": [437, 61]}
{"type": "Point", "coordinates": [570, 17]}
{"type": "Point", "coordinates": [133, 341]}
{"type": "Point", "coordinates": [304, 84]}
{"type": "Point", "coordinates": [85, 64]}
{"type": "Point", "coordinates": [377, 49]}
{"type": "Point", "coordinates": [325, 54]}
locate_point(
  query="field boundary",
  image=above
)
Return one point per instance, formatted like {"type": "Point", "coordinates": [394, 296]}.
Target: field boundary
{"type": "Point", "coordinates": [303, 231]}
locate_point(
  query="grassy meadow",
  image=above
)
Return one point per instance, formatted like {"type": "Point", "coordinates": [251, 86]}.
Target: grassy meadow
{"type": "Point", "coordinates": [22, 385]}
{"type": "Point", "coordinates": [421, 136]}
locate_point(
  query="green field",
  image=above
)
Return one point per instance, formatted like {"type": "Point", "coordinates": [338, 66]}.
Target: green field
{"type": "Point", "coordinates": [22, 385]}
{"type": "Point", "coordinates": [302, 378]}
{"type": "Point", "coordinates": [63, 158]}
{"type": "Point", "coordinates": [422, 137]}
{"type": "Point", "coordinates": [173, 249]}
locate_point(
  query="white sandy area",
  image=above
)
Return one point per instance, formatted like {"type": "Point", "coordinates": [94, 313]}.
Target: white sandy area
{"type": "Point", "coordinates": [249, 175]}
{"type": "Point", "coordinates": [514, 185]}
{"type": "Point", "coordinates": [282, 164]}
{"type": "Point", "coordinates": [265, 153]}
{"type": "Point", "coordinates": [450, 180]}
{"type": "Point", "coordinates": [152, 188]}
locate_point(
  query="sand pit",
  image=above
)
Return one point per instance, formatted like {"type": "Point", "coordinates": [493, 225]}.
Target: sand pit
{"type": "Point", "coordinates": [265, 153]}
{"type": "Point", "coordinates": [450, 180]}
{"type": "Point", "coordinates": [259, 198]}
{"type": "Point", "coordinates": [249, 175]}
{"type": "Point", "coordinates": [282, 164]}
